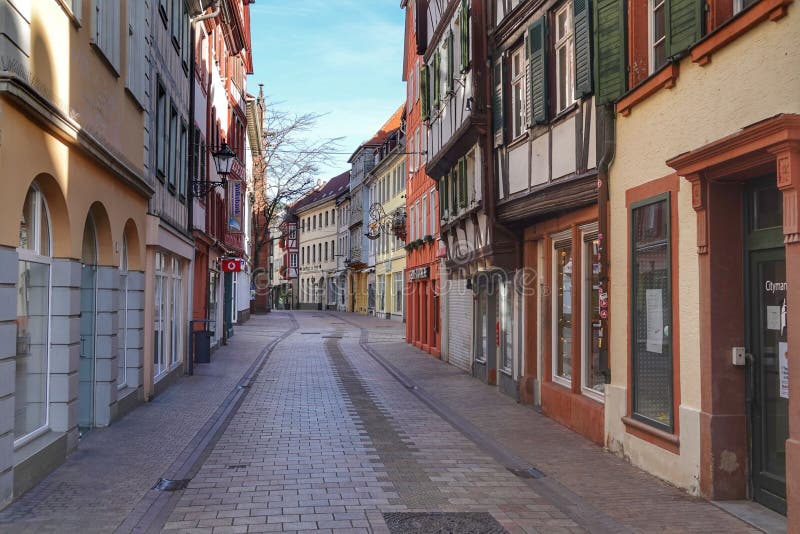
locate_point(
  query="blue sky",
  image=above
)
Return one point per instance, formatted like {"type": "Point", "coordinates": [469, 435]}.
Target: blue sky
{"type": "Point", "coordinates": [340, 57]}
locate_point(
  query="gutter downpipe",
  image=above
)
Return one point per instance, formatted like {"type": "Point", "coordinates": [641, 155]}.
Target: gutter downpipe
{"type": "Point", "coordinates": [191, 164]}
{"type": "Point", "coordinates": [607, 148]}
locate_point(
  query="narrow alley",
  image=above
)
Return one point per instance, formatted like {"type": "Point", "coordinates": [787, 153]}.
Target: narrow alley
{"type": "Point", "coordinates": [330, 422]}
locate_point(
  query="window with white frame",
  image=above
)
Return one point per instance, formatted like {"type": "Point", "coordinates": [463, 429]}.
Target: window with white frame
{"type": "Point", "coordinates": [657, 30]}
{"type": "Point", "coordinates": [136, 50]}
{"type": "Point", "coordinates": [518, 101]}
{"type": "Point", "coordinates": [424, 230]}
{"type": "Point", "coordinates": [105, 30]}
{"type": "Point", "coordinates": [433, 218]}
{"type": "Point", "coordinates": [398, 292]}
{"type": "Point", "coordinates": [32, 360]}
{"type": "Point", "coordinates": [411, 219]}
{"type": "Point", "coordinates": [293, 259]}
{"type": "Point", "coordinates": [565, 58]}
{"type": "Point", "coordinates": [562, 308]}
{"type": "Point", "coordinates": [176, 303]}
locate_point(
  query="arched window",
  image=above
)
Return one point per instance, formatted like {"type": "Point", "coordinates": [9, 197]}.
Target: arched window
{"type": "Point", "coordinates": [33, 319]}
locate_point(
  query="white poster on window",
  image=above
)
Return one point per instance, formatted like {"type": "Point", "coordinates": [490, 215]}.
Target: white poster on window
{"type": "Point", "coordinates": [783, 369]}
{"type": "Point", "coordinates": [654, 304]}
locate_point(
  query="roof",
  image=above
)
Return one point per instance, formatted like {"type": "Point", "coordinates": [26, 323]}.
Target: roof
{"type": "Point", "coordinates": [394, 122]}
{"type": "Point", "coordinates": [333, 188]}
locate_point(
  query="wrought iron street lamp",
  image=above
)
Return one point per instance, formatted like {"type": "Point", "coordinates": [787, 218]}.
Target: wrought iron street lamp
{"type": "Point", "coordinates": [223, 161]}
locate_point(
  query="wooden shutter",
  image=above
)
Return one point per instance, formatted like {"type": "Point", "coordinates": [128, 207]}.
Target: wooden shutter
{"type": "Point", "coordinates": [537, 62]}
{"type": "Point", "coordinates": [453, 200]}
{"type": "Point", "coordinates": [684, 24]}
{"type": "Point", "coordinates": [437, 65]}
{"type": "Point", "coordinates": [609, 50]}
{"type": "Point", "coordinates": [451, 61]}
{"type": "Point", "coordinates": [444, 195]}
{"type": "Point", "coordinates": [464, 27]}
{"type": "Point", "coordinates": [498, 120]}
{"type": "Point", "coordinates": [462, 182]}
{"type": "Point", "coordinates": [583, 48]}
{"type": "Point", "coordinates": [425, 102]}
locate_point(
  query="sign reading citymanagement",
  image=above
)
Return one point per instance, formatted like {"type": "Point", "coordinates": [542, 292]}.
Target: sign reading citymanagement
{"type": "Point", "coordinates": [419, 273]}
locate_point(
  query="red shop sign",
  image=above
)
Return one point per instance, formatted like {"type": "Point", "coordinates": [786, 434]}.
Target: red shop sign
{"type": "Point", "coordinates": [232, 265]}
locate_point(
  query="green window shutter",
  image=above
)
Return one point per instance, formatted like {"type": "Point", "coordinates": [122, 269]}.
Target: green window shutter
{"type": "Point", "coordinates": [583, 48]}
{"type": "Point", "coordinates": [462, 182]}
{"type": "Point", "coordinates": [454, 190]}
{"type": "Point", "coordinates": [425, 96]}
{"type": "Point", "coordinates": [498, 121]}
{"type": "Point", "coordinates": [464, 24]}
{"type": "Point", "coordinates": [538, 70]}
{"type": "Point", "coordinates": [451, 61]}
{"type": "Point", "coordinates": [609, 50]}
{"type": "Point", "coordinates": [684, 24]}
{"type": "Point", "coordinates": [437, 62]}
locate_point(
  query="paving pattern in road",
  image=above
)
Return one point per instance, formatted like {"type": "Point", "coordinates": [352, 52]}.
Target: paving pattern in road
{"type": "Point", "coordinates": [327, 440]}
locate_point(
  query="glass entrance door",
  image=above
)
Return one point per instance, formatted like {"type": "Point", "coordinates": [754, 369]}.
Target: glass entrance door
{"type": "Point", "coordinates": [767, 369]}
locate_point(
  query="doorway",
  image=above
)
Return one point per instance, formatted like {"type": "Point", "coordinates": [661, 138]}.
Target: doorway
{"type": "Point", "coordinates": [767, 371]}
{"type": "Point", "coordinates": [88, 319]}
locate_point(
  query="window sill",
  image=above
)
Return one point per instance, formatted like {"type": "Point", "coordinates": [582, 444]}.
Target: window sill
{"type": "Point", "coordinates": [108, 63]}
{"type": "Point", "coordinates": [518, 140]}
{"type": "Point", "coordinates": [561, 381]}
{"type": "Point", "coordinates": [659, 438]}
{"type": "Point", "coordinates": [593, 395]}
{"type": "Point", "coordinates": [663, 79]}
{"type": "Point", "coordinates": [731, 30]}
{"type": "Point", "coordinates": [564, 112]}
{"type": "Point", "coordinates": [71, 14]}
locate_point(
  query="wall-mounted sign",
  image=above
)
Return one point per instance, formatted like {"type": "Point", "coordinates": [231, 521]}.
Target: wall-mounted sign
{"type": "Point", "coordinates": [235, 208]}
{"type": "Point", "coordinates": [419, 273]}
{"type": "Point", "coordinates": [231, 265]}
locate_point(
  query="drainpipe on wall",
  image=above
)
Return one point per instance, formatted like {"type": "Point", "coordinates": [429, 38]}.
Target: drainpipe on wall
{"type": "Point", "coordinates": [607, 146]}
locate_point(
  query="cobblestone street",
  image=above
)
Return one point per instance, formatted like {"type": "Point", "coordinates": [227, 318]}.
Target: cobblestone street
{"type": "Point", "coordinates": [330, 422]}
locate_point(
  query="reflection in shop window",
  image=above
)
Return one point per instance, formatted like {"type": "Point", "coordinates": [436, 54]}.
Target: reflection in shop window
{"type": "Point", "coordinates": [506, 313]}
{"type": "Point", "coordinates": [594, 379]}
{"type": "Point", "coordinates": [562, 312]}
{"type": "Point", "coordinates": [33, 320]}
{"type": "Point", "coordinates": [651, 314]}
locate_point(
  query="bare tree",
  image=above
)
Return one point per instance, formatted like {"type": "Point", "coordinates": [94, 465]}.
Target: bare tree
{"type": "Point", "coordinates": [287, 171]}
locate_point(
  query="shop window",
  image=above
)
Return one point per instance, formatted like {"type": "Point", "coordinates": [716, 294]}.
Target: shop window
{"type": "Point", "coordinates": [562, 310]}
{"type": "Point", "coordinates": [213, 303]}
{"type": "Point", "coordinates": [32, 359]}
{"type": "Point", "coordinates": [593, 348]}
{"type": "Point", "coordinates": [398, 293]}
{"type": "Point", "coordinates": [482, 318]}
{"type": "Point", "coordinates": [176, 304]}
{"type": "Point", "coordinates": [651, 313]}
{"type": "Point", "coordinates": [161, 291]}
{"type": "Point", "coordinates": [381, 293]}
{"type": "Point", "coordinates": [505, 305]}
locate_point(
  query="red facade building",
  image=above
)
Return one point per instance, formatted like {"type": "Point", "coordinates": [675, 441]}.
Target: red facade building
{"type": "Point", "coordinates": [423, 321]}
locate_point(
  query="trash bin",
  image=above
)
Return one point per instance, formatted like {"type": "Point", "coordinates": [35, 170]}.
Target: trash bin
{"type": "Point", "coordinates": [202, 346]}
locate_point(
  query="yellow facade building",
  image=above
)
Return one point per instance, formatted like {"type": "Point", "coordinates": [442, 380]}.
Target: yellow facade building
{"type": "Point", "coordinates": [72, 225]}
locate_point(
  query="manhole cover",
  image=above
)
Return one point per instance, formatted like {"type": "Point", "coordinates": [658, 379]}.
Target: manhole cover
{"type": "Point", "coordinates": [442, 523]}
{"type": "Point", "coordinates": [165, 484]}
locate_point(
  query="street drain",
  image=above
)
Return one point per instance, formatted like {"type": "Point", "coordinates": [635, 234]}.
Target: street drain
{"type": "Point", "coordinates": [442, 523]}
{"type": "Point", "coordinates": [237, 466]}
{"type": "Point", "coordinates": [305, 333]}
{"type": "Point", "coordinates": [530, 472]}
{"type": "Point", "coordinates": [166, 484]}
{"type": "Point", "coordinates": [331, 337]}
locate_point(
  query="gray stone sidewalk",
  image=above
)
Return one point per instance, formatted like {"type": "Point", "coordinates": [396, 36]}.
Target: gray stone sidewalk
{"type": "Point", "coordinates": [602, 480]}
{"type": "Point", "coordinates": [99, 485]}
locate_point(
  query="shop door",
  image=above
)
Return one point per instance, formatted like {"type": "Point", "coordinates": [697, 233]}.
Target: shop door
{"type": "Point", "coordinates": [767, 368]}
{"type": "Point", "coordinates": [88, 320]}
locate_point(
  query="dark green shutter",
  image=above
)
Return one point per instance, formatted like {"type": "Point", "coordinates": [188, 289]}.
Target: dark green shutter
{"type": "Point", "coordinates": [684, 24]}
{"type": "Point", "coordinates": [462, 182]}
{"type": "Point", "coordinates": [464, 23]}
{"type": "Point", "coordinates": [425, 97]}
{"type": "Point", "coordinates": [609, 50]}
{"type": "Point", "coordinates": [538, 70]}
{"type": "Point", "coordinates": [454, 190]}
{"type": "Point", "coordinates": [583, 48]}
{"type": "Point", "coordinates": [437, 62]}
{"type": "Point", "coordinates": [451, 61]}
{"type": "Point", "coordinates": [498, 121]}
